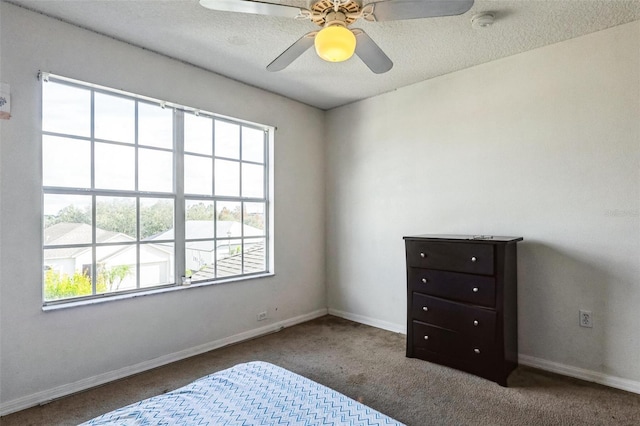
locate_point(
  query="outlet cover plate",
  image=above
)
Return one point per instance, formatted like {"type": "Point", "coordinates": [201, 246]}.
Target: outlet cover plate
{"type": "Point", "coordinates": [586, 319]}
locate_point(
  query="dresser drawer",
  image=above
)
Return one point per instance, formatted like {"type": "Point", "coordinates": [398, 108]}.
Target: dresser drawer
{"type": "Point", "coordinates": [483, 364]}
{"type": "Point", "coordinates": [448, 342]}
{"type": "Point", "coordinates": [476, 289]}
{"type": "Point", "coordinates": [478, 324]}
{"type": "Point", "coordinates": [459, 257]}
{"type": "Point", "coordinates": [435, 339]}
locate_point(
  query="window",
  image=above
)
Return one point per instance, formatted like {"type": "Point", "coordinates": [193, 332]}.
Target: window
{"type": "Point", "coordinates": [138, 193]}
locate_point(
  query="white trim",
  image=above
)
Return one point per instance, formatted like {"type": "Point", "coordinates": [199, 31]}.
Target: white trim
{"type": "Point", "coordinates": [530, 361]}
{"type": "Point", "coordinates": [45, 76]}
{"type": "Point", "coordinates": [581, 373]}
{"type": "Point", "coordinates": [123, 296]}
{"type": "Point", "coordinates": [374, 322]}
{"type": "Point", "coordinates": [48, 395]}
{"type": "Point", "coordinates": [58, 392]}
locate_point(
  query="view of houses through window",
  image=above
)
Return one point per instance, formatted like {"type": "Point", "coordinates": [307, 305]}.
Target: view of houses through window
{"type": "Point", "coordinates": [137, 194]}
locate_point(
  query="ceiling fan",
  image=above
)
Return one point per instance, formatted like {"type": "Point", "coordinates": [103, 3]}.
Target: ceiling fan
{"type": "Point", "coordinates": [335, 42]}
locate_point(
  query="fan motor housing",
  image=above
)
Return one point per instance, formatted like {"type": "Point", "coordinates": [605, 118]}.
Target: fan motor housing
{"type": "Point", "coordinates": [322, 8]}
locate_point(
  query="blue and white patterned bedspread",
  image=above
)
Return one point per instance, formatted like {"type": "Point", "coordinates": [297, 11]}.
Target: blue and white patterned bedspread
{"type": "Point", "coordinates": [255, 393]}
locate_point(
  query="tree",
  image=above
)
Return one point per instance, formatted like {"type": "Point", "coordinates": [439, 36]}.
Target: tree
{"type": "Point", "coordinates": [113, 276]}
{"type": "Point", "coordinates": [118, 215]}
{"type": "Point", "coordinates": [156, 219]}
{"type": "Point", "coordinates": [232, 215]}
{"type": "Point", "coordinates": [60, 286]}
{"type": "Point", "coordinates": [200, 211]}
{"type": "Point", "coordinates": [70, 214]}
{"type": "Point", "coordinates": [255, 220]}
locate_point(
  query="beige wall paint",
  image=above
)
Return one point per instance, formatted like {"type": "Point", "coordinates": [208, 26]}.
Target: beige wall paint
{"type": "Point", "coordinates": [543, 145]}
{"type": "Point", "coordinates": [49, 350]}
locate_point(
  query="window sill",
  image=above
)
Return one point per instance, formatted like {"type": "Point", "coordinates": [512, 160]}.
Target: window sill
{"type": "Point", "coordinates": [111, 298]}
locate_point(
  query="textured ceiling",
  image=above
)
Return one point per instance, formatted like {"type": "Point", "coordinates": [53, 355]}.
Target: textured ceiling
{"type": "Point", "coordinates": [240, 46]}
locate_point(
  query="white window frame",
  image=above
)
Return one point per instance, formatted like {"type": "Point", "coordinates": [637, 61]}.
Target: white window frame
{"type": "Point", "coordinates": [177, 195]}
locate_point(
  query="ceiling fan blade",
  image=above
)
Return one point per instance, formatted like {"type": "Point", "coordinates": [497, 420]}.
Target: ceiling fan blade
{"type": "Point", "coordinates": [370, 53]}
{"type": "Point", "coordinates": [394, 10]}
{"type": "Point", "coordinates": [255, 7]}
{"type": "Point", "coordinates": [293, 52]}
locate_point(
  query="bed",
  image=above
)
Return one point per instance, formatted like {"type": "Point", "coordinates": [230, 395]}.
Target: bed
{"type": "Point", "coordinates": [253, 393]}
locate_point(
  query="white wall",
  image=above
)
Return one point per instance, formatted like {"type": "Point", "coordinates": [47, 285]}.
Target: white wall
{"type": "Point", "coordinates": [46, 354]}
{"type": "Point", "coordinates": [543, 145]}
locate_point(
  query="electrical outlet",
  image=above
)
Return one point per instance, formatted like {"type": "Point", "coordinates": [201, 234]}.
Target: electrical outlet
{"type": "Point", "coordinates": [262, 316]}
{"type": "Point", "coordinates": [586, 319]}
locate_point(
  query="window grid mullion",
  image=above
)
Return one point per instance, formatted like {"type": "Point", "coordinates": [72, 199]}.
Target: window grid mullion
{"type": "Point", "coordinates": [136, 175]}
{"type": "Point", "coordinates": [138, 237]}
{"type": "Point", "coordinates": [266, 195]}
{"type": "Point", "coordinates": [94, 251]}
{"type": "Point", "coordinates": [179, 224]}
{"type": "Point", "coordinates": [241, 192]}
{"type": "Point", "coordinates": [215, 200]}
{"type": "Point", "coordinates": [215, 238]}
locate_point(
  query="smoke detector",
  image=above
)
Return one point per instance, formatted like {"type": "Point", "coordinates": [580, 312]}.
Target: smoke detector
{"type": "Point", "coordinates": [482, 20]}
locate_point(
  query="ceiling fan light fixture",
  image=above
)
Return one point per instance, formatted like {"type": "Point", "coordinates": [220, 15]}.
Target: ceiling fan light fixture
{"type": "Point", "coordinates": [335, 43]}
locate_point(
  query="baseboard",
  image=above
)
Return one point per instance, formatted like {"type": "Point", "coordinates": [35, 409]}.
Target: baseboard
{"type": "Point", "coordinates": [581, 373]}
{"type": "Point", "coordinates": [48, 395]}
{"type": "Point", "coordinates": [68, 389]}
{"type": "Point", "coordinates": [374, 322]}
{"type": "Point", "coordinates": [542, 364]}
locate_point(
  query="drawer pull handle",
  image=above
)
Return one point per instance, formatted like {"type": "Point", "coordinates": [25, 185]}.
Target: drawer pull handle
{"type": "Point", "coordinates": [423, 255]}
{"type": "Point", "coordinates": [476, 350]}
{"type": "Point", "coordinates": [424, 308]}
{"type": "Point", "coordinates": [424, 280]}
{"type": "Point", "coordinates": [475, 323]}
{"type": "Point", "coordinates": [426, 337]}
{"type": "Point", "coordinates": [474, 259]}
{"type": "Point", "coordinates": [475, 289]}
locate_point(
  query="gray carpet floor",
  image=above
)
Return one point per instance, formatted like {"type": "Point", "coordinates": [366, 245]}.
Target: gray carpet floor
{"type": "Point", "coordinates": [369, 365]}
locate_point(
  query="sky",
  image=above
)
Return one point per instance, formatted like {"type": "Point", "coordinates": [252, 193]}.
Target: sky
{"type": "Point", "coordinates": [67, 159]}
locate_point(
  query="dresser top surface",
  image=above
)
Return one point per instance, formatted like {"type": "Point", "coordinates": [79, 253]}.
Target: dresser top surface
{"type": "Point", "coordinates": [466, 238]}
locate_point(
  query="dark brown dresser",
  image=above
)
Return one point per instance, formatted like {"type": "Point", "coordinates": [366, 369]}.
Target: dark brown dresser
{"type": "Point", "coordinates": [462, 303]}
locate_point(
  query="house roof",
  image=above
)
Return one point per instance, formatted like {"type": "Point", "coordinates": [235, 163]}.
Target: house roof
{"type": "Point", "coordinates": [203, 229]}
{"type": "Point", "coordinates": [65, 234]}
{"type": "Point", "coordinates": [254, 258]}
